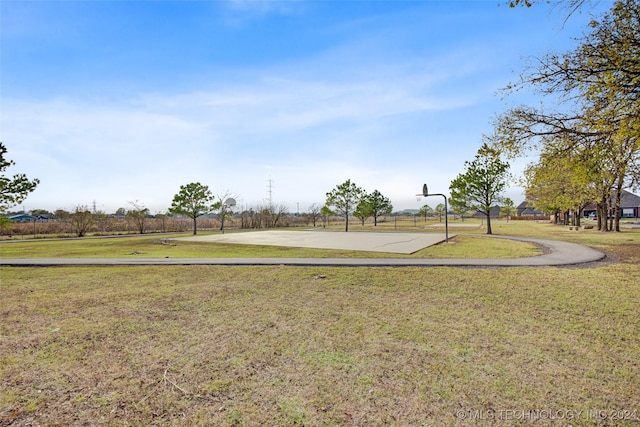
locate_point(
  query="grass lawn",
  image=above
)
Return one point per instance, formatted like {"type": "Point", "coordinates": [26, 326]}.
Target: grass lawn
{"type": "Point", "coordinates": [255, 346]}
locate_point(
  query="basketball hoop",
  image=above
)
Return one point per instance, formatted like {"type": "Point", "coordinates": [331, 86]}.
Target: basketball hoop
{"type": "Point", "coordinates": [229, 203]}
{"type": "Point", "coordinates": [425, 193]}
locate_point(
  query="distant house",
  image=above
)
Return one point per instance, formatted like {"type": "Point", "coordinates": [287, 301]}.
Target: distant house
{"type": "Point", "coordinates": [629, 206]}
{"type": "Point", "coordinates": [494, 212]}
{"type": "Point", "coordinates": [22, 218]}
{"type": "Point", "coordinates": [526, 209]}
{"type": "Point", "coordinates": [27, 218]}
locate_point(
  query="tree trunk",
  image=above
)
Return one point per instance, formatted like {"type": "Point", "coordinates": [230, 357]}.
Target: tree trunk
{"type": "Point", "coordinates": [617, 208]}
{"type": "Point", "coordinates": [194, 225]}
{"type": "Point", "coordinates": [346, 224]}
{"type": "Point", "coordinates": [488, 214]}
{"type": "Point", "coordinates": [601, 209]}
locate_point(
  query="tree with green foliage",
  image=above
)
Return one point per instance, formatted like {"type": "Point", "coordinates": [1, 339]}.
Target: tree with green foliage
{"type": "Point", "coordinates": [507, 208]}
{"type": "Point", "coordinates": [362, 211]}
{"type": "Point", "coordinates": [326, 212]}
{"type": "Point", "coordinates": [193, 200]}
{"type": "Point", "coordinates": [597, 84]}
{"type": "Point", "coordinates": [345, 197]}
{"type": "Point", "coordinates": [440, 211]}
{"type": "Point", "coordinates": [460, 207]}
{"type": "Point", "coordinates": [482, 183]}
{"type": "Point", "coordinates": [425, 211]}
{"type": "Point", "coordinates": [562, 183]}
{"type": "Point", "coordinates": [5, 224]}
{"type": "Point", "coordinates": [377, 205]}
{"type": "Point", "coordinates": [13, 190]}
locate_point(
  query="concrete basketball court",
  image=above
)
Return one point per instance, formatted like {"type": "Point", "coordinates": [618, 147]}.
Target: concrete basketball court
{"type": "Point", "coordinates": [399, 243]}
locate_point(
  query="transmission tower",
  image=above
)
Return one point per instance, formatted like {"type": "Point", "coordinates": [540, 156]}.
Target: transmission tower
{"type": "Point", "coordinates": [270, 192]}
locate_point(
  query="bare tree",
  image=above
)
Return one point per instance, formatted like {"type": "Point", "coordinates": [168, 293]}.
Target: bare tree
{"type": "Point", "coordinates": [82, 219]}
{"type": "Point", "coordinates": [222, 207]}
{"type": "Point", "coordinates": [571, 6]}
{"type": "Point", "coordinates": [314, 213]}
{"type": "Point", "coordinates": [277, 213]}
{"type": "Point", "coordinates": [138, 215]}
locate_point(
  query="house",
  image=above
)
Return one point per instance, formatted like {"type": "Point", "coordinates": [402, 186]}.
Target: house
{"type": "Point", "coordinates": [629, 206]}
{"type": "Point", "coordinates": [23, 217]}
{"type": "Point", "coordinates": [494, 212]}
{"type": "Point", "coordinates": [526, 209]}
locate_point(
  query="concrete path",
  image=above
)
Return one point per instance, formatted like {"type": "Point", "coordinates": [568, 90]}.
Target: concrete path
{"type": "Point", "coordinates": [558, 254]}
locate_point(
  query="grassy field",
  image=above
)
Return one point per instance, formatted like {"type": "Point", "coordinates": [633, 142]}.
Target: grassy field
{"type": "Point", "coordinates": [255, 346]}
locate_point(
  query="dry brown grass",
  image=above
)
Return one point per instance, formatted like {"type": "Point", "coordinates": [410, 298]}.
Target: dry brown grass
{"type": "Point", "coordinates": [256, 346]}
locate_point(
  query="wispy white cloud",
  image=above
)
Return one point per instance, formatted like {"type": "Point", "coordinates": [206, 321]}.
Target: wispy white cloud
{"type": "Point", "coordinates": [375, 104]}
{"type": "Point", "coordinates": [263, 7]}
{"type": "Point", "coordinates": [154, 143]}
{"type": "Point", "coordinates": [240, 14]}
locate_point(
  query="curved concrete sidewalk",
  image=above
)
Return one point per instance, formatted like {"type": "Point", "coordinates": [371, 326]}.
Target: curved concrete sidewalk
{"type": "Point", "coordinates": [560, 253]}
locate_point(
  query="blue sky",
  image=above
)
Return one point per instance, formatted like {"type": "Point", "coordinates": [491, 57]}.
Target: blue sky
{"type": "Point", "coordinates": [120, 101]}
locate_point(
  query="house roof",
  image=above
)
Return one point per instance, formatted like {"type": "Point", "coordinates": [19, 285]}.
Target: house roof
{"type": "Point", "coordinates": [530, 211]}
{"type": "Point", "coordinates": [494, 211]}
{"type": "Point", "coordinates": [629, 200]}
{"type": "Point", "coordinates": [526, 208]}
{"type": "Point", "coordinates": [22, 217]}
